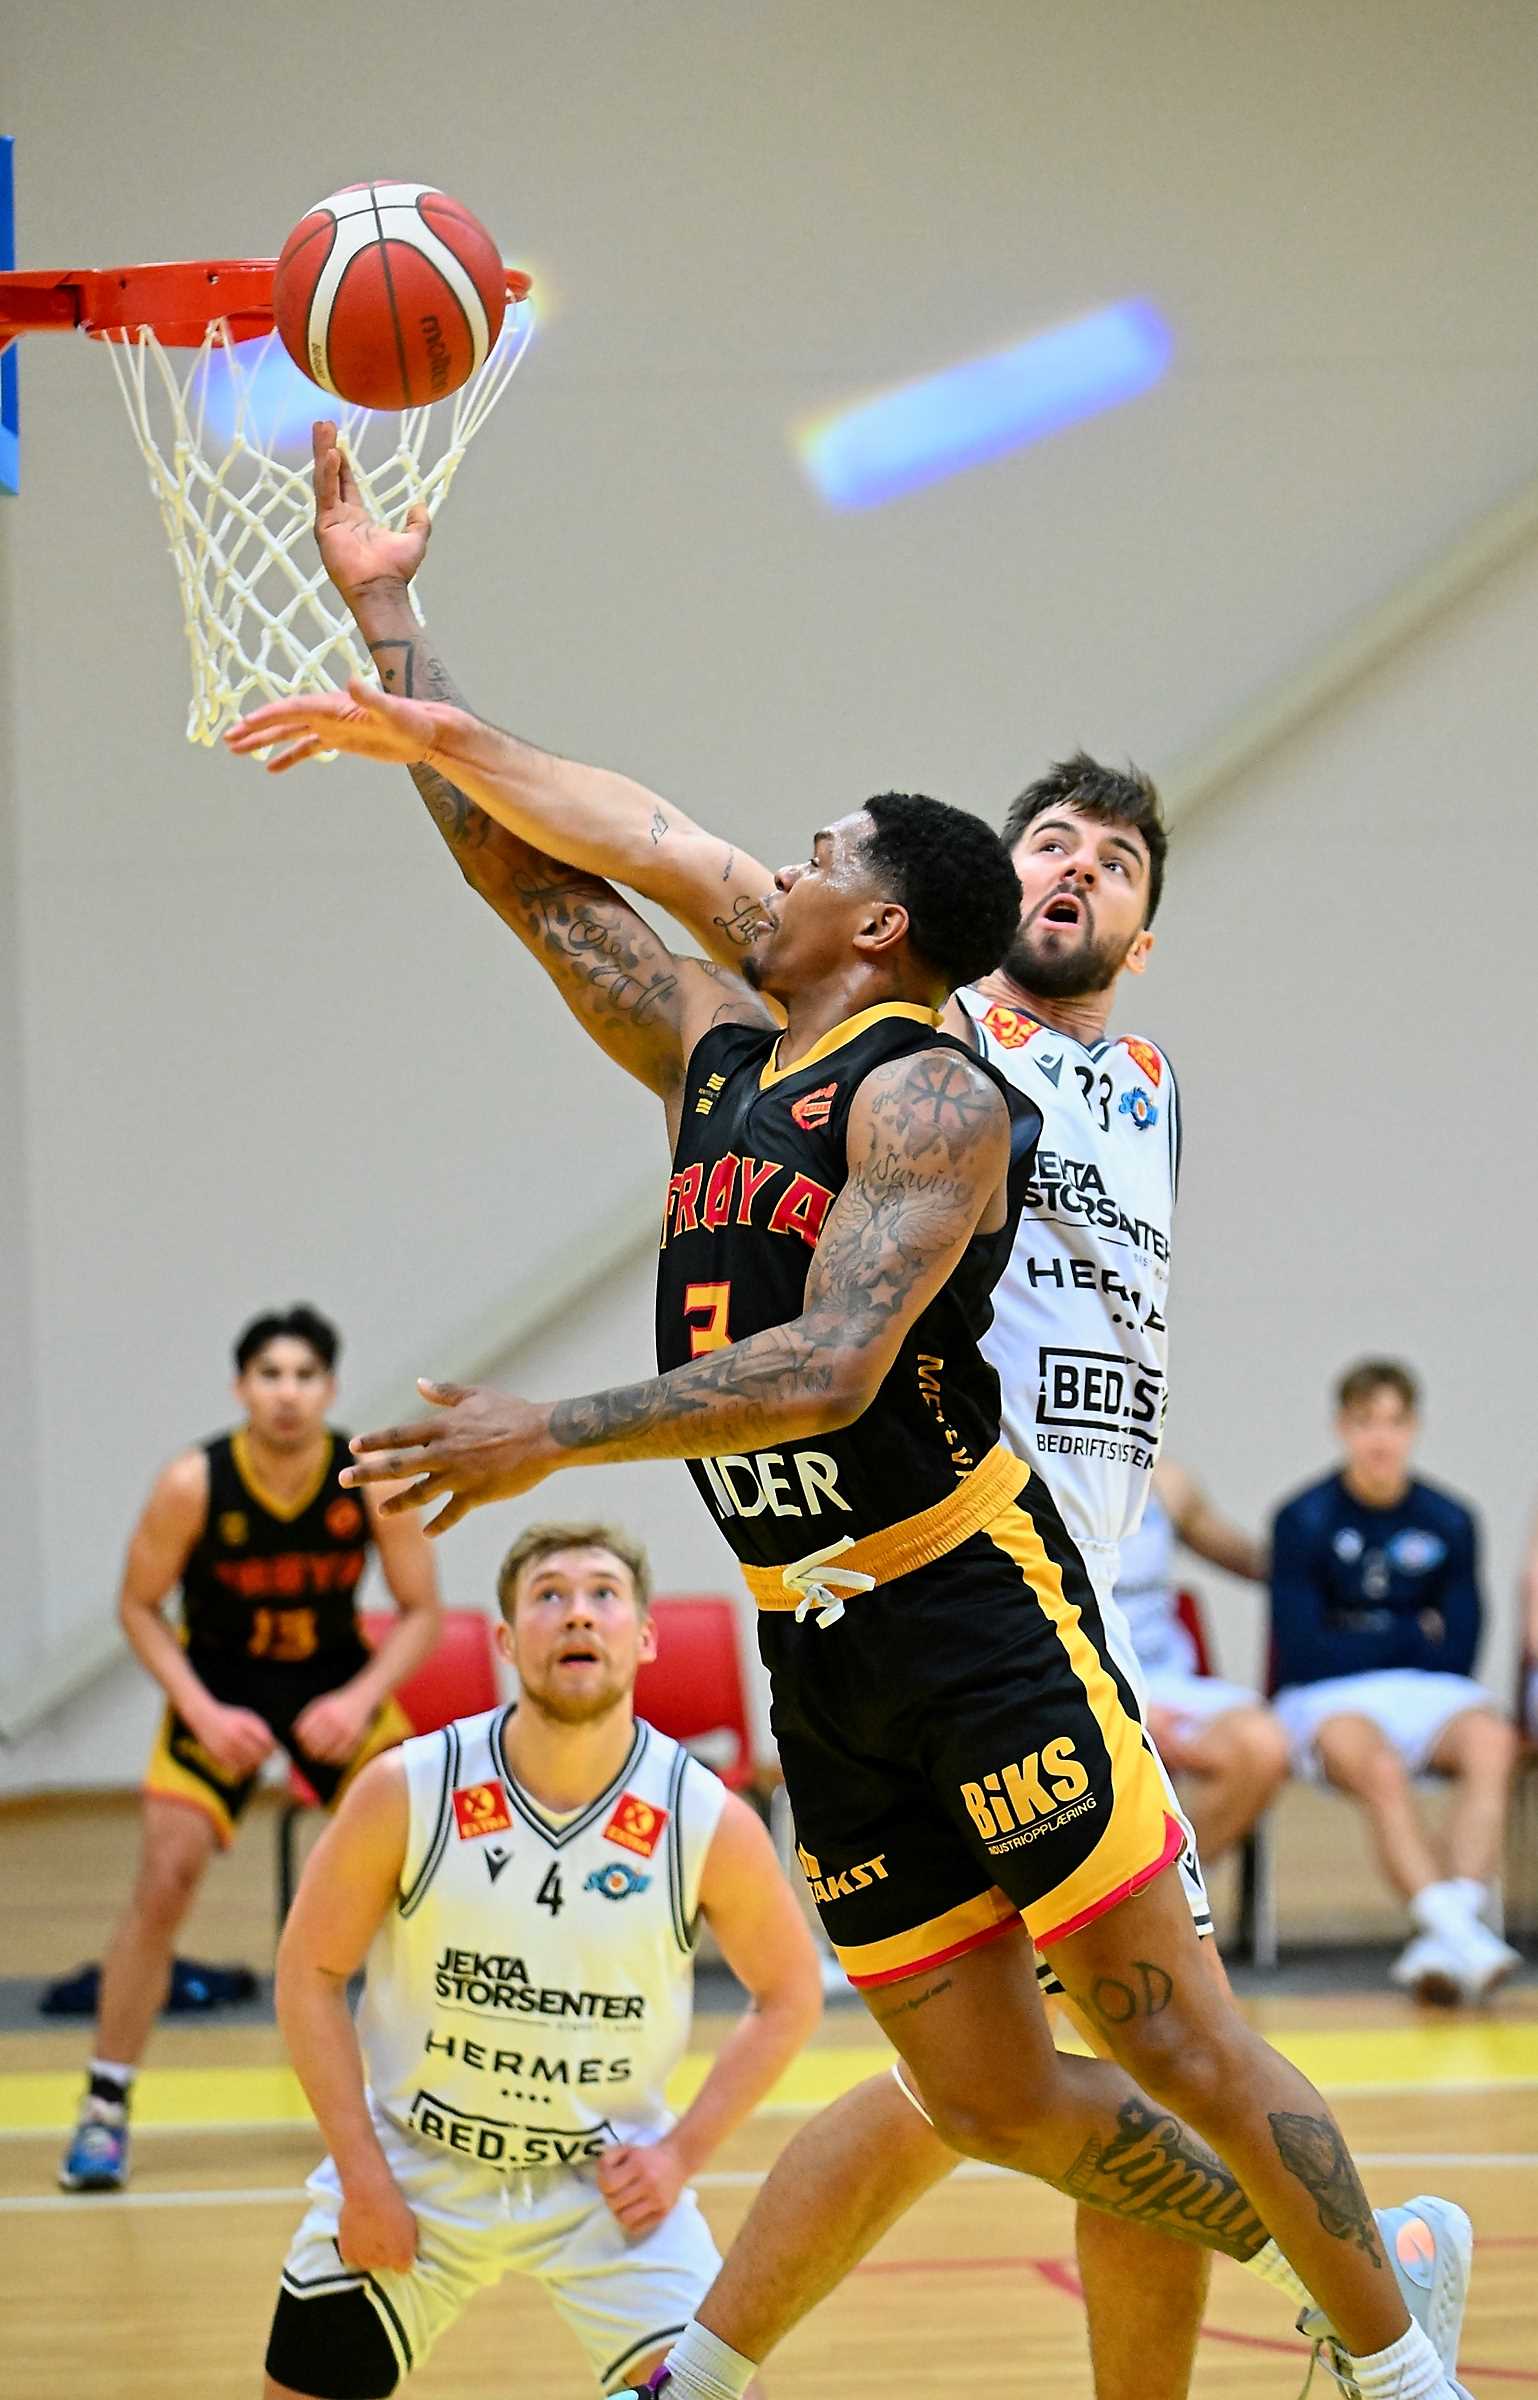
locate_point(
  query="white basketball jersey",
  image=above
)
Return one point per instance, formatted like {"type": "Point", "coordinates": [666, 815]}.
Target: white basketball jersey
{"type": "Point", "coordinates": [532, 1989]}
{"type": "Point", "coordinates": [1079, 1338]}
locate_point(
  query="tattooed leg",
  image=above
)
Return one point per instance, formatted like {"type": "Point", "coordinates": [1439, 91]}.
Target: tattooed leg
{"type": "Point", "coordinates": [1137, 1975]}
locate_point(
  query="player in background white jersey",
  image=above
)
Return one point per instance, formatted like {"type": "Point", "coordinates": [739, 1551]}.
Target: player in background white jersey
{"type": "Point", "coordinates": [525, 1887]}
{"type": "Point", "coordinates": [1219, 1736]}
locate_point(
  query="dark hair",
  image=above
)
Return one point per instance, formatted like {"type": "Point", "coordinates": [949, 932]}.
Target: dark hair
{"type": "Point", "coordinates": [301, 1323]}
{"type": "Point", "coordinates": [1369, 1376]}
{"type": "Point", "coordinates": [538, 1542]}
{"type": "Point", "coordinates": [1110, 795]}
{"type": "Point", "coordinates": [954, 877]}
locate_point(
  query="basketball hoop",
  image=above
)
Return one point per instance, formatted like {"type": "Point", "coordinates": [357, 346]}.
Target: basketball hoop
{"type": "Point", "coordinates": [261, 617]}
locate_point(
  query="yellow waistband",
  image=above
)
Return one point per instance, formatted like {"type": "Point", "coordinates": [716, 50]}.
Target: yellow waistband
{"type": "Point", "coordinates": [914, 1541]}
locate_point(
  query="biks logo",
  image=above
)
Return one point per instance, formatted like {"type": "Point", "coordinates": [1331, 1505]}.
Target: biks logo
{"type": "Point", "coordinates": [1137, 1105]}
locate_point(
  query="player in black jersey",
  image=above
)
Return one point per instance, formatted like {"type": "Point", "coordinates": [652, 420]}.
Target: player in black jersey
{"type": "Point", "coordinates": [959, 1747]}
{"type": "Point", "coordinates": [268, 1550]}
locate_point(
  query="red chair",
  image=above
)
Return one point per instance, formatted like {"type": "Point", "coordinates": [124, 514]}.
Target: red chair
{"type": "Point", "coordinates": [458, 1678]}
{"type": "Point", "coordinates": [694, 1689]}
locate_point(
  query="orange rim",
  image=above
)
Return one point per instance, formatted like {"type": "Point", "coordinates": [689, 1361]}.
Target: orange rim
{"type": "Point", "coordinates": [176, 300]}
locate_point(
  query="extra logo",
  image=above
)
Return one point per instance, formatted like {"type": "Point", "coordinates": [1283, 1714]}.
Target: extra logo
{"type": "Point", "coordinates": [233, 1528]}
{"type": "Point", "coordinates": [636, 1825]}
{"type": "Point", "coordinates": [344, 1518]}
{"type": "Point", "coordinates": [1010, 1027]}
{"type": "Point", "coordinates": [814, 1108]}
{"type": "Point", "coordinates": [1137, 1105]}
{"type": "Point", "coordinates": [480, 1808]}
{"type": "Point", "coordinates": [1147, 1058]}
{"type": "Point", "coordinates": [616, 1882]}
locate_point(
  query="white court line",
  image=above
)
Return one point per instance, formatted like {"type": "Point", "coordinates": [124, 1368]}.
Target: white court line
{"type": "Point", "coordinates": [716, 2179]}
{"type": "Point", "coordinates": [778, 2108]}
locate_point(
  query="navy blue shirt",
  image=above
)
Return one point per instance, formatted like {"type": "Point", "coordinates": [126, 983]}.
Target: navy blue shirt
{"type": "Point", "coordinates": [1356, 1589]}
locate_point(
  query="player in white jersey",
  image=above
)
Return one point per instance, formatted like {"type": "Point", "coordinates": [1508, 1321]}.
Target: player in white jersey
{"type": "Point", "coordinates": [526, 1887]}
{"type": "Point", "coordinates": [1220, 1737]}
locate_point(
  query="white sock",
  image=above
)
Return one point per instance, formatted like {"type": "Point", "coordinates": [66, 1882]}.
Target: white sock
{"type": "Point", "coordinates": [1408, 2369]}
{"type": "Point", "coordinates": [1440, 1908]}
{"type": "Point", "coordinates": [705, 2369]}
{"type": "Point", "coordinates": [1272, 2267]}
{"type": "Point", "coordinates": [1473, 1895]}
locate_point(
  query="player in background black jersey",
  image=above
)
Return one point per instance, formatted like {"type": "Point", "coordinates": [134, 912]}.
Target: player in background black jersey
{"type": "Point", "coordinates": [268, 1550]}
{"type": "Point", "coordinates": [889, 912]}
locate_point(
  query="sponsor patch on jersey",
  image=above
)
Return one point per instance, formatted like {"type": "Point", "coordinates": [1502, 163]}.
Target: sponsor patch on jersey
{"type": "Point", "coordinates": [636, 1825]}
{"type": "Point", "coordinates": [1147, 1058]}
{"type": "Point", "coordinates": [1137, 1105]}
{"type": "Point", "coordinates": [480, 1808]}
{"type": "Point", "coordinates": [1010, 1027]}
{"type": "Point", "coordinates": [814, 1108]}
{"type": "Point", "coordinates": [344, 1517]}
{"type": "Point", "coordinates": [234, 1528]}
{"type": "Point", "coordinates": [616, 1882]}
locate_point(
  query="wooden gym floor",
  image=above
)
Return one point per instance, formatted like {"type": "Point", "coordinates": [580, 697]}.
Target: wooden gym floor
{"type": "Point", "coordinates": [167, 2289]}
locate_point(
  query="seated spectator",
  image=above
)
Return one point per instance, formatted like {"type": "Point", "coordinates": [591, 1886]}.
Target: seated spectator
{"type": "Point", "coordinates": [1375, 1616]}
{"type": "Point", "coordinates": [1528, 1703]}
{"type": "Point", "coordinates": [1219, 1738]}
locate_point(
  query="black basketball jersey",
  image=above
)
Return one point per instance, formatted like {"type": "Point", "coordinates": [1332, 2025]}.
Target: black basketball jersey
{"type": "Point", "coordinates": [759, 1161]}
{"type": "Point", "coordinates": [271, 1581]}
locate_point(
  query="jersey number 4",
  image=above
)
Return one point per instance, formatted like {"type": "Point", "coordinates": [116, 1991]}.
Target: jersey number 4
{"type": "Point", "coordinates": [550, 1894]}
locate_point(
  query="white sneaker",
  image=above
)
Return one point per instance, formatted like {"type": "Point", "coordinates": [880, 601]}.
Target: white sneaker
{"type": "Point", "coordinates": [1484, 1960]}
{"type": "Point", "coordinates": [1430, 2246]}
{"type": "Point", "coordinates": [1433, 1970]}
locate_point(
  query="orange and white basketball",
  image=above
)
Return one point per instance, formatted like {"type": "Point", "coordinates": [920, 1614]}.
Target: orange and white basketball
{"type": "Point", "coordinates": [389, 295]}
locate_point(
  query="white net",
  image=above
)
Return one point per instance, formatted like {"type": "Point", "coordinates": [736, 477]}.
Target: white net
{"type": "Point", "coordinates": [260, 616]}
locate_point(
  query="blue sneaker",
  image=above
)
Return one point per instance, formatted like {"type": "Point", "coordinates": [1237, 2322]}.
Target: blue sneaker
{"type": "Point", "coordinates": [97, 2157]}
{"type": "Point", "coordinates": [1430, 2246]}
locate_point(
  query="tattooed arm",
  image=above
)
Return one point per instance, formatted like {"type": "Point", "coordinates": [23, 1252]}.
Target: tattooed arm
{"type": "Point", "coordinates": [643, 1005]}
{"type": "Point", "coordinates": [599, 821]}
{"type": "Point", "coordinates": [928, 1148]}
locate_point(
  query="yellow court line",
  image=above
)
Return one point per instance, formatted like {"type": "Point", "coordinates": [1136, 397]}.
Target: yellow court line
{"type": "Point", "coordinates": [1425, 2057]}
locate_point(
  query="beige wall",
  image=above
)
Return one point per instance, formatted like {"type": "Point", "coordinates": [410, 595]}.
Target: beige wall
{"type": "Point", "coordinates": [268, 1048]}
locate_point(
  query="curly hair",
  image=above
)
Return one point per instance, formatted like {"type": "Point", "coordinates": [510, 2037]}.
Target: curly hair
{"type": "Point", "coordinates": [301, 1323]}
{"type": "Point", "coordinates": [1109, 795]}
{"type": "Point", "coordinates": [954, 877]}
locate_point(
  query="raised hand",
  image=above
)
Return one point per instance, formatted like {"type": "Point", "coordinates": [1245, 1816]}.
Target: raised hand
{"type": "Point", "coordinates": [355, 549]}
{"type": "Point", "coordinates": [363, 721]}
{"type": "Point", "coordinates": [484, 1446]}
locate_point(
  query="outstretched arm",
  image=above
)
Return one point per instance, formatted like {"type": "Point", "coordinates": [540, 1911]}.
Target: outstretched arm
{"type": "Point", "coordinates": [592, 818]}
{"type": "Point", "coordinates": [643, 1004]}
{"type": "Point", "coordinates": [928, 1148]}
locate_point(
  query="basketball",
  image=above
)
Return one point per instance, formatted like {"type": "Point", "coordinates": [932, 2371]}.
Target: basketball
{"type": "Point", "coordinates": [389, 295]}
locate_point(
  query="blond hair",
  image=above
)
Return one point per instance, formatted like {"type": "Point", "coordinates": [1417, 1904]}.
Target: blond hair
{"type": "Point", "coordinates": [542, 1541]}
